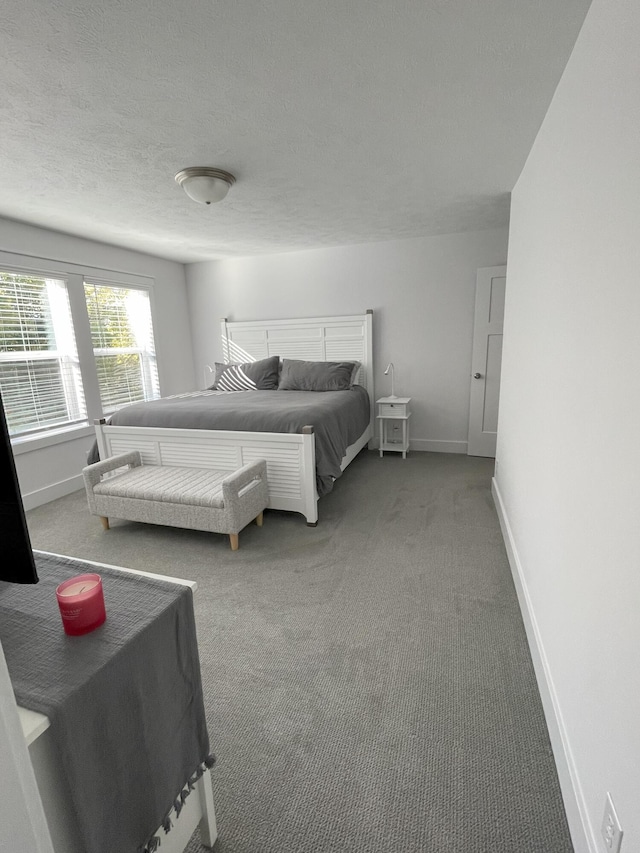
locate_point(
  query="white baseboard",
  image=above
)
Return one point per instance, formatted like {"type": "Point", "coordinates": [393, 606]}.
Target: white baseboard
{"type": "Point", "coordinates": [57, 490]}
{"type": "Point", "coordinates": [435, 446]}
{"type": "Point", "coordinates": [582, 835]}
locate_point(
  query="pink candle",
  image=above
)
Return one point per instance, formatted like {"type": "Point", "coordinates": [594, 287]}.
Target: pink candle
{"type": "Point", "coordinates": [81, 603]}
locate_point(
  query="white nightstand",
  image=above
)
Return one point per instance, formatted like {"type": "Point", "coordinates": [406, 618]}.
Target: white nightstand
{"type": "Point", "coordinates": [393, 417]}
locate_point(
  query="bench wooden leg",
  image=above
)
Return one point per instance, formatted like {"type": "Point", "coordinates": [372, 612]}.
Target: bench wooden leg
{"type": "Point", "coordinates": [233, 538]}
{"type": "Point", "coordinates": [260, 519]}
{"type": "Point", "coordinates": [105, 522]}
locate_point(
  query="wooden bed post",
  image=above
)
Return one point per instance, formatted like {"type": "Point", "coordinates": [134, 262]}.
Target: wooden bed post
{"type": "Point", "coordinates": [102, 444]}
{"type": "Point", "coordinates": [226, 356]}
{"type": "Point", "coordinates": [370, 387]}
{"type": "Point", "coordinates": [309, 465]}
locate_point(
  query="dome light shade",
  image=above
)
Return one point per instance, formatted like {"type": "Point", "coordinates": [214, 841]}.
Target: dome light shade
{"type": "Point", "coordinates": [205, 185]}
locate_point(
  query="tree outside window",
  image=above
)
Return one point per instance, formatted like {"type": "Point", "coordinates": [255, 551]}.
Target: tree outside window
{"type": "Point", "coordinates": [123, 346]}
{"type": "Point", "coordinates": [39, 368]}
{"type": "Point", "coordinates": [41, 381]}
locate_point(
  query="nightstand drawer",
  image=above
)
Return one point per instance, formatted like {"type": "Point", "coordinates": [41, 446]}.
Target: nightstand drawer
{"type": "Point", "coordinates": [393, 410]}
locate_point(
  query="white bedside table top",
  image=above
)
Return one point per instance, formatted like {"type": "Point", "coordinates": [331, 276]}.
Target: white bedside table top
{"type": "Point", "coordinates": [399, 400]}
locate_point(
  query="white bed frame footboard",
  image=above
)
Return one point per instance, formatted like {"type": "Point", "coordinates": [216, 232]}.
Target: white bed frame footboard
{"type": "Point", "coordinates": [291, 462]}
{"type": "Point", "coordinates": [291, 458]}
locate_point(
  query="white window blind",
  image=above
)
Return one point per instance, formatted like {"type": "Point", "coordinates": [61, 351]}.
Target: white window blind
{"type": "Point", "coordinates": [40, 377]}
{"type": "Point", "coordinates": [123, 344]}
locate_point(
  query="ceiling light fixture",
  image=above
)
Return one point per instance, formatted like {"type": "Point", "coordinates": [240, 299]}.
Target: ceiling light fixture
{"type": "Point", "coordinates": [205, 185]}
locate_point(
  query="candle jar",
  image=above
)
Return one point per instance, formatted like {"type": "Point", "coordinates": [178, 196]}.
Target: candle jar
{"type": "Point", "coordinates": [81, 603]}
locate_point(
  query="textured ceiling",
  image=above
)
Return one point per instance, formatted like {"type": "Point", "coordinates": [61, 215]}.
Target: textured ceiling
{"type": "Point", "coordinates": [344, 122]}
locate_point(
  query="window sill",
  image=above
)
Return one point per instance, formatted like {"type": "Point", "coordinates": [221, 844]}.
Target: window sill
{"type": "Point", "coordinates": [58, 436]}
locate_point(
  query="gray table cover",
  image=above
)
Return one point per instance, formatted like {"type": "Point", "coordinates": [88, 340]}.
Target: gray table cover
{"type": "Point", "coordinates": [338, 418]}
{"type": "Point", "coordinates": [125, 701]}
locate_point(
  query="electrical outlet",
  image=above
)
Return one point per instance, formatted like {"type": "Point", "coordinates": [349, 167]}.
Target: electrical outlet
{"type": "Point", "coordinates": [611, 829]}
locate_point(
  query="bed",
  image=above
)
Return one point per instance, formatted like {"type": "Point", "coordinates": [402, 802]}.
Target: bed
{"type": "Point", "coordinates": [307, 438]}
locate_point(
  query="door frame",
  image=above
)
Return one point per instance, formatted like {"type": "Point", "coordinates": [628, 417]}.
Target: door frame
{"type": "Point", "coordinates": [480, 442]}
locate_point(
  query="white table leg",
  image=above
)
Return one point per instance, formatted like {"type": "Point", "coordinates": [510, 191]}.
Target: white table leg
{"type": "Point", "coordinates": [208, 827]}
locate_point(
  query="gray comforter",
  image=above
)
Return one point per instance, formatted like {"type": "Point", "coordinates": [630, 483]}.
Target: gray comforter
{"type": "Point", "coordinates": [338, 418]}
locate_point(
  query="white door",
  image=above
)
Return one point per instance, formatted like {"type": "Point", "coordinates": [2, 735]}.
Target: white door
{"type": "Point", "coordinates": [486, 361]}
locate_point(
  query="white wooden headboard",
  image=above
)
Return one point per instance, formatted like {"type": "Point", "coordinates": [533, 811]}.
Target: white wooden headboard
{"type": "Point", "coordinates": [346, 338]}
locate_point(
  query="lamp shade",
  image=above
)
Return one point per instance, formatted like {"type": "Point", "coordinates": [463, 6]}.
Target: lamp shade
{"type": "Point", "coordinates": [205, 185]}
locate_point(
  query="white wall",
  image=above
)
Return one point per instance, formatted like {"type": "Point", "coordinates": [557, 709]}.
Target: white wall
{"type": "Point", "coordinates": [50, 472]}
{"type": "Point", "coordinates": [422, 292]}
{"type": "Point", "coordinates": [568, 449]}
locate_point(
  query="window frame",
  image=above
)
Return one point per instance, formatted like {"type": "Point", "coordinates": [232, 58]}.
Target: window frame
{"type": "Point", "coordinates": [53, 331]}
{"type": "Point", "coordinates": [94, 281]}
{"type": "Point", "coordinates": [75, 276]}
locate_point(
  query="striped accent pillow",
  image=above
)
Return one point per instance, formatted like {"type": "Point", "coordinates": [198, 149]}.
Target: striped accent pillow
{"type": "Point", "coordinates": [235, 379]}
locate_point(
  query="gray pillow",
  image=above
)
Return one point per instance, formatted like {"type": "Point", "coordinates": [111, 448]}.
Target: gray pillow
{"type": "Point", "coordinates": [298, 375]}
{"type": "Point", "coordinates": [250, 376]}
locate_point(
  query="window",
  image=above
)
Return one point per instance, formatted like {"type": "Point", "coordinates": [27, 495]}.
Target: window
{"type": "Point", "coordinates": [39, 368]}
{"type": "Point", "coordinates": [75, 345]}
{"type": "Point", "coordinates": [123, 346]}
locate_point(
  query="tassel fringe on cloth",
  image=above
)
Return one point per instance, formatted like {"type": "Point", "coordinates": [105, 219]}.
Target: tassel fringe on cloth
{"type": "Point", "coordinates": [154, 842]}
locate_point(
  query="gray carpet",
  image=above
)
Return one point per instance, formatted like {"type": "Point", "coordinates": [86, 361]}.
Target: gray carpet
{"type": "Point", "coordinates": [368, 682]}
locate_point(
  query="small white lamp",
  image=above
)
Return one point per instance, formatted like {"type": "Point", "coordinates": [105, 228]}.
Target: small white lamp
{"type": "Point", "coordinates": [208, 372]}
{"type": "Point", "coordinates": [390, 368]}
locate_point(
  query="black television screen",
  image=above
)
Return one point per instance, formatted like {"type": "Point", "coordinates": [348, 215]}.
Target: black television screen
{"type": "Point", "coordinates": [16, 557]}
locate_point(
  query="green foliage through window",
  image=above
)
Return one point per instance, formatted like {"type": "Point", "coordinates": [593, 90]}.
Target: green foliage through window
{"type": "Point", "coordinates": [40, 378]}
{"type": "Point", "coordinates": [122, 337]}
{"type": "Point", "coordinates": [39, 370]}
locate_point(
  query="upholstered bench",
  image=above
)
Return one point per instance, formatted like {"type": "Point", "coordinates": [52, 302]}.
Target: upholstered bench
{"type": "Point", "coordinates": [196, 498]}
